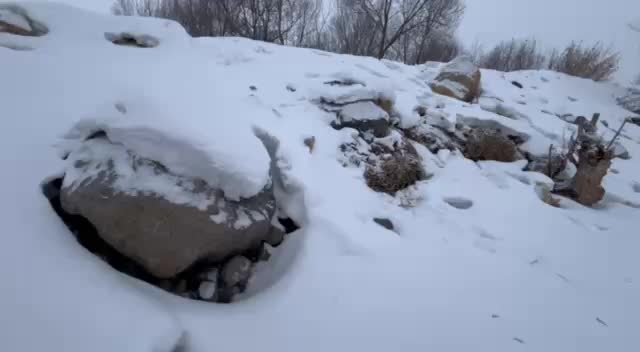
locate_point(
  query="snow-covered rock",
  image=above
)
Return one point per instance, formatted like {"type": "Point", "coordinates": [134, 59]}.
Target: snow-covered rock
{"type": "Point", "coordinates": [164, 221]}
{"type": "Point", "coordinates": [459, 79]}
{"type": "Point", "coordinates": [365, 116]}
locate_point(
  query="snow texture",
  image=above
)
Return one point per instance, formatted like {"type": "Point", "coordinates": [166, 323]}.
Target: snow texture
{"type": "Point", "coordinates": [477, 261]}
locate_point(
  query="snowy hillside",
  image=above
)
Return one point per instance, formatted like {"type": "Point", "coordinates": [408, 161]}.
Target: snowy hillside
{"type": "Point", "coordinates": [476, 261]}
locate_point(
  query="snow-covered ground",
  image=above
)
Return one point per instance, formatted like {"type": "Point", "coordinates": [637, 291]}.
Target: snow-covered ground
{"type": "Point", "coordinates": [509, 273]}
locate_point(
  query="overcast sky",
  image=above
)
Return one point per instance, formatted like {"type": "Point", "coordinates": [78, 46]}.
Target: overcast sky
{"type": "Point", "coordinates": [552, 22]}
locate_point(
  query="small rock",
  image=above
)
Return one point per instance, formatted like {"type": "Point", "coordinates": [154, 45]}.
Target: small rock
{"type": "Point", "coordinates": [310, 142]}
{"type": "Point", "coordinates": [384, 222]}
{"type": "Point", "coordinates": [207, 290]}
{"type": "Point", "coordinates": [253, 88]}
{"type": "Point", "coordinates": [517, 84]}
{"type": "Point", "coordinates": [236, 271]}
{"type": "Point", "coordinates": [275, 236]}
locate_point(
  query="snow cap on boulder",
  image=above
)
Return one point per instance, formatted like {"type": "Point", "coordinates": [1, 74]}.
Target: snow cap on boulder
{"type": "Point", "coordinates": [459, 79]}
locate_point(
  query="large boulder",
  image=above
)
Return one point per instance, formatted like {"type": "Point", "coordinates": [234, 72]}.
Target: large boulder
{"type": "Point", "coordinates": [163, 221]}
{"type": "Point", "coordinates": [459, 79]}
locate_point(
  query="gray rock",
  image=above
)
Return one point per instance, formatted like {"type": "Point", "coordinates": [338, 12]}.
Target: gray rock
{"type": "Point", "coordinates": [365, 116]}
{"type": "Point", "coordinates": [236, 271]}
{"type": "Point", "coordinates": [384, 222]}
{"type": "Point", "coordinates": [207, 290]}
{"type": "Point", "coordinates": [164, 222]}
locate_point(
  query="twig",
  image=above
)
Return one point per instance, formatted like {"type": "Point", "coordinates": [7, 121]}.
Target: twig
{"type": "Point", "coordinates": [617, 134]}
{"type": "Point", "coordinates": [594, 120]}
{"type": "Point", "coordinates": [549, 161]}
{"type": "Point", "coordinates": [601, 321]}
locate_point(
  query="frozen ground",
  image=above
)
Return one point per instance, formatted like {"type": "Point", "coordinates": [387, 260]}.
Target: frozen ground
{"type": "Point", "coordinates": [478, 262]}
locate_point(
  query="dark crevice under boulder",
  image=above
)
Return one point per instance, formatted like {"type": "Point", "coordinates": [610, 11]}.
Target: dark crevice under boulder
{"type": "Point", "coordinates": [188, 283]}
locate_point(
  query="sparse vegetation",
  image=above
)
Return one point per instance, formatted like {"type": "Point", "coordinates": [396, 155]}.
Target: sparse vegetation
{"type": "Point", "coordinates": [596, 62]}
{"type": "Point", "coordinates": [514, 55]}
{"type": "Point", "coordinates": [395, 170]}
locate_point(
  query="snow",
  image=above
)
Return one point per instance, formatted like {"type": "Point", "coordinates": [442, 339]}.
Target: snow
{"type": "Point", "coordinates": [364, 110]}
{"type": "Point", "coordinates": [134, 175]}
{"type": "Point", "coordinates": [476, 260]}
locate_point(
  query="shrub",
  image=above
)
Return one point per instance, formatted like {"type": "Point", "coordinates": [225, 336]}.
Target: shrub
{"type": "Point", "coordinates": [595, 62]}
{"type": "Point", "coordinates": [513, 55]}
{"type": "Point", "coordinates": [395, 171]}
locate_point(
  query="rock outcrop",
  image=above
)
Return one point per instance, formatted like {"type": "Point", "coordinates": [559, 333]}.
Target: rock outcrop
{"type": "Point", "coordinates": [459, 79]}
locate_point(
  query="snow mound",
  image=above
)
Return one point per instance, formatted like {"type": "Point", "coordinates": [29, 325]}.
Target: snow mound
{"type": "Point", "coordinates": [223, 152]}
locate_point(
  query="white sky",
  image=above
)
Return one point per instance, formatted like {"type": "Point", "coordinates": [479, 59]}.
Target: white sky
{"type": "Point", "coordinates": [552, 22]}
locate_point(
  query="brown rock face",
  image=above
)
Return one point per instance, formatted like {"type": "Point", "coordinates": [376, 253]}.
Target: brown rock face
{"type": "Point", "coordinates": [488, 144]}
{"type": "Point", "coordinates": [459, 79]}
{"type": "Point", "coordinates": [162, 221]}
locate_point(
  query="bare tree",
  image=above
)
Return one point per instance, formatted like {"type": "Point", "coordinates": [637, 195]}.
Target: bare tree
{"type": "Point", "coordinates": [413, 31]}
{"type": "Point", "coordinates": [402, 27]}
{"type": "Point", "coordinates": [596, 62]}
